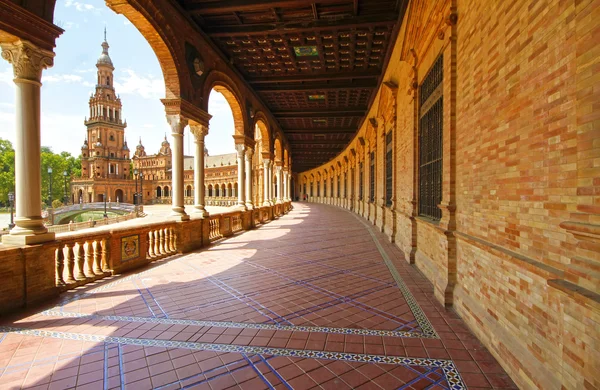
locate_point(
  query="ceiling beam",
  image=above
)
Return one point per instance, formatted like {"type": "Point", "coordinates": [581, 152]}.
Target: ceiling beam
{"type": "Point", "coordinates": [357, 84]}
{"type": "Point", "coordinates": [294, 27]}
{"type": "Point", "coordinates": [373, 73]}
{"type": "Point", "coordinates": [320, 113]}
{"type": "Point", "coordinates": [222, 7]}
{"type": "Point", "coordinates": [331, 130]}
{"type": "Point", "coordinates": [319, 142]}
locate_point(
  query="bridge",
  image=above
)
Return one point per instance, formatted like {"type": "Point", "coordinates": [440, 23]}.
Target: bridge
{"type": "Point", "coordinates": [65, 214]}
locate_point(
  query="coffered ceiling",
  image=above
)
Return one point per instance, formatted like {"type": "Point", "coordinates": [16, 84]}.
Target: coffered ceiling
{"type": "Point", "coordinates": [316, 64]}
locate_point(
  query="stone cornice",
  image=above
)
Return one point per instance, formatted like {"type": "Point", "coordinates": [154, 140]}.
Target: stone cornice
{"type": "Point", "coordinates": [25, 25]}
{"type": "Point", "coordinates": [186, 109]}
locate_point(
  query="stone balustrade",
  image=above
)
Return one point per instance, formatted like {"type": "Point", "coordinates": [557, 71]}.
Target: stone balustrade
{"type": "Point", "coordinates": [35, 273]}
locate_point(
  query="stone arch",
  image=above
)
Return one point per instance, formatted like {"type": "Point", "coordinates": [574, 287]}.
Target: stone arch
{"type": "Point", "coordinates": [222, 83]}
{"type": "Point", "coordinates": [158, 192]}
{"type": "Point", "coordinates": [188, 191]}
{"type": "Point", "coordinates": [161, 39]}
{"type": "Point", "coordinates": [278, 150]}
{"type": "Point", "coordinates": [286, 161]}
{"type": "Point", "coordinates": [119, 195]}
{"type": "Point", "coordinates": [166, 191]}
{"type": "Point", "coordinates": [261, 122]}
{"type": "Point", "coordinates": [210, 190]}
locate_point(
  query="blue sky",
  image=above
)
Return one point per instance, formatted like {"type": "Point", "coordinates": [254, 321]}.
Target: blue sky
{"type": "Point", "coordinates": [138, 80]}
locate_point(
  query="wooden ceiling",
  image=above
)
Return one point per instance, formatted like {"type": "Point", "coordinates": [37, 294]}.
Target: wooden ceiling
{"type": "Point", "coordinates": [316, 64]}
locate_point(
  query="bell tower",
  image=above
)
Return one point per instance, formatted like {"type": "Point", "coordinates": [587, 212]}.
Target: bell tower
{"type": "Point", "coordinates": [105, 153]}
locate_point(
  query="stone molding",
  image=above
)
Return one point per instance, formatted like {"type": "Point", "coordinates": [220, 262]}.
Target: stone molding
{"type": "Point", "coordinates": [28, 60]}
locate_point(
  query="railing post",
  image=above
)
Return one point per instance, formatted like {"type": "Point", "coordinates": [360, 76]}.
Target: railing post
{"type": "Point", "coordinates": [89, 271]}
{"type": "Point", "coordinates": [151, 244]}
{"type": "Point", "coordinates": [80, 261]}
{"type": "Point", "coordinates": [60, 266]}
{"type": "Point", "coordinates": [97, 259]}
{"type": "Point", "coordinates": [70, 264]}
{"type": "Point", "coordinates": [105, 266]}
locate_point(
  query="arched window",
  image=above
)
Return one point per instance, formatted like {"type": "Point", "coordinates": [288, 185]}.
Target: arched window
{"type": "Point", "coordinates": [210, 191]}
{"type": "Point", "coordinates": [108, 81]}
{"type": "Point", "coordinates": [158, 192]}
{"type": "Point", "coordinates": [166, 191]}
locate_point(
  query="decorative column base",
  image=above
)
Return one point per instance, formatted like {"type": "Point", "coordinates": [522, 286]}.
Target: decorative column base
{"type": "Point", "coordinates": [249, 206]}
{"type": "Point", "coordinates": [179, 213]}
{"type": "Point", "coordinates": [199, 209]}
{"type": "Point", "coordinates": [27, 239]}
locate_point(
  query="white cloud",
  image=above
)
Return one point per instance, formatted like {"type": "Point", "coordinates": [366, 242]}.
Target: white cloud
{"type": "Point", "coordinates": [81, 7]}
{"type": "Point", "coordinates": [70, 25]}
{"type": "Point", "coordinates": [61, 132]}
{"type": "Point", "coordinates": [62, 78]}
{"type": "Point", "coordinates": [147, 87]}
{"type": "Point", "coordinates": [148, 126]}
{"type": "Point", "coordinates": [90, 70]}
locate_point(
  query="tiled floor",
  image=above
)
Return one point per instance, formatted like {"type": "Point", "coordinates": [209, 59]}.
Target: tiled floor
{"type": "Point", "coordinates": [306, 301]}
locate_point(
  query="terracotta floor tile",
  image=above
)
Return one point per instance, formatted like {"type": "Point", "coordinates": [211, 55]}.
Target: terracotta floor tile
{"type": "Point", "coordinates": [331, 275]}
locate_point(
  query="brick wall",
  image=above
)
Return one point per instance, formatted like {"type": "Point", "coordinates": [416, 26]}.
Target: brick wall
{"type": "Point", "coordinates": [517, 250]}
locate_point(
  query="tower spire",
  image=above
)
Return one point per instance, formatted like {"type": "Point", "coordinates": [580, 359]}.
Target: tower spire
{"type": "Point", "coordinates": [104, 33]}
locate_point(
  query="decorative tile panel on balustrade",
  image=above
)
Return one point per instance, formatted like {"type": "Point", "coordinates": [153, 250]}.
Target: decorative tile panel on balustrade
{"type": "Point", "coordinates": [36, 273]}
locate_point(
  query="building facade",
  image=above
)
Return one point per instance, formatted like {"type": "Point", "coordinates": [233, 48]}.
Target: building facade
{"type": "Point", "coordinates": [105, 157]}
{"type": "Point", "coordinates": [155, 181]}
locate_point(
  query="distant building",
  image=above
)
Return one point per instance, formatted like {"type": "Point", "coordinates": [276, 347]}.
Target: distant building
{"type": "Point", "coordinates": [106, 163]}
{"type": "Point", "coordinates": [105, 159]}
{"type": "Point", "coordinates": [155, 172]}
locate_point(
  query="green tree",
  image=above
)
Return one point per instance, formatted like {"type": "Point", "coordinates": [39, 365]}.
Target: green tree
{"type": "Point", "coordinates": [7, 170]}
{"type": "Point", "coordinates": [60, 163]}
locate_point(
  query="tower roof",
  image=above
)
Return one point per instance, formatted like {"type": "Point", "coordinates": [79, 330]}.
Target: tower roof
{"type": "Point", "coordinates": [104, 58]}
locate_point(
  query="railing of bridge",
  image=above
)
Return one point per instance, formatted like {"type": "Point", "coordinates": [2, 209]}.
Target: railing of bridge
{"type": "Point", "coordinates": [74, 226]}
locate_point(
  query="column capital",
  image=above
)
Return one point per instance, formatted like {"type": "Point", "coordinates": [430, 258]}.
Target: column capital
{"type": "Point", "coordinates": [28, 60]}
{"type": "Point", "coordinates": [198, 130]}
{"type": "Point", "coordinates": [240, 149]}
{"type": "Point", "coordinates": [266, 162]}
{"type": "Point", "coordinates": [278, 168]}
{"type": "Point", "coordinates": [249, 153]}
{"type": "Point", "coordinates": [177, 123]}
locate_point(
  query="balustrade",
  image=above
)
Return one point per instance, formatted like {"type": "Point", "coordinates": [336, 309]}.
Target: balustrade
{"type": "Point", "coordinates": [83, 257]}
{"type": "Point", "coordinates": [79, 261]}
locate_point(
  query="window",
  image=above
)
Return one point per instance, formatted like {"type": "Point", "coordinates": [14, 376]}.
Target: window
{"type": "Point", "coordinates": [345, 184]}
{"type": "Point", "coordinates": [338, 186]}
{"type": "Point", "coordinates": [360, 181]}
{"type": "Point", "coordinates": [388, 169]}
{"type": "Point", "coordinates": [430, 142]}
{"type": "Point", "coordinates": [331, 190]}
{"type": "Point", "coordinates": [352, 183]}
{"type": "Point", "coordinates": [372, 177]}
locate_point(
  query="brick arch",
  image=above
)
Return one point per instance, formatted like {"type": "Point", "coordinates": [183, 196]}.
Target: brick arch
{"type": "Point", "coordinates": [278, 149]}
{"type": "Point", "coordinates": [286, 161]}
{"type": "Point", "coordinates": [222, 83]}
{"type": "Point", "coordinates": [161, 39]}
{"type": "Point", "coordinates": [261, 121]}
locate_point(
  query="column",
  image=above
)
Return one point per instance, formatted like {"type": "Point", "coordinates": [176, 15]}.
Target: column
{"type": "Point", "coordinates": [289, 184]}
{"type": "Point", "coordinates": [266, 181]}
{"type": "Point", "coordinates": [199, 131]}
{"type": "Point", "coordinates": [285, 185]}
{"type": "Point", "coordinates": [279, 177]}
{"type": "Point", "coordinates": [177, 123]}
{"type": "Point", "coordinates": [28, 63]}
{"type": "Point", "coordinates": [270, 183]}
{"type": "Point", "coordinates": [240, 148]}
{"type": "Point", "coordinates": [248, 160]}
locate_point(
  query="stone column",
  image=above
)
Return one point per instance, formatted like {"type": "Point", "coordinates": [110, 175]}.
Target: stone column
{"type": "Point", "coordinates": [270, 184]}
{"type": "Point", "coordinates": [177, 123]}
{"type": "Point", "coordinates": [199, 131]}
{"type": "Point", "coordinates": [279, 180]}
{"type": "Point", "coordinates": [289, 184]}
{"type": "Point", "coordinates": [240, 148]}
{"type": "Point", "coordinates": [28, 63]}
{"type": "Point", "coordinates": [284, 185]}
{"type": "Point", "coordinates": [266, 181]}
{"type": "Point", "coordinates": [248, 160]}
